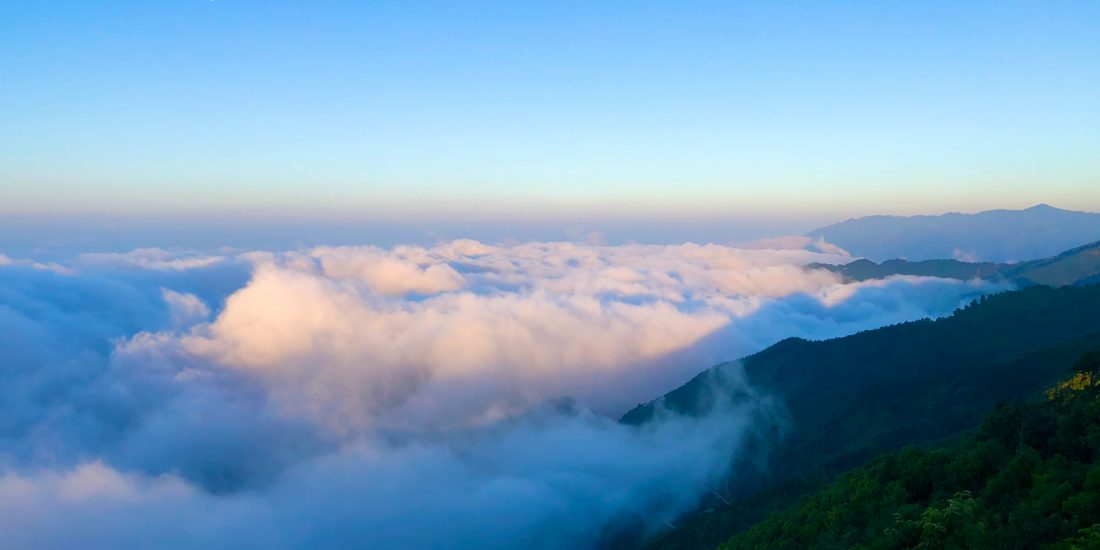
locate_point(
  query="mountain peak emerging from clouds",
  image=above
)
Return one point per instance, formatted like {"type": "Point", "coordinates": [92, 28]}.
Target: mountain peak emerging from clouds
{"type": "Point", "coordinates": [994, 235]}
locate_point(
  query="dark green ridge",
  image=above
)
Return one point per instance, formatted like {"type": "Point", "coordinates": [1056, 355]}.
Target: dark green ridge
{"type": "Point", "coordinates": [1029, 478]}
{"type": "Point", "coordinates": [853, 398]}
{"type": "Point", "coordinates": [1078, 266]}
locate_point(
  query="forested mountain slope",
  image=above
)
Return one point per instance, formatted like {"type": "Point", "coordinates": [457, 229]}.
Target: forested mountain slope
{"type": "Point", "coordinates": [1030, 478]}
{"type": "Point", "coordinates": [853, 398]}
{"type": "Point", "coordinates": [1077, 266]}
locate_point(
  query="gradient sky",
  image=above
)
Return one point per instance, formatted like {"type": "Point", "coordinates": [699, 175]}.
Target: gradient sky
{"type": "Point", "coordinates": [470, 110]}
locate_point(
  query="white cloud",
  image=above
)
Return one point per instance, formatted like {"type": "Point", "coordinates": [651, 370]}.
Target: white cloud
{"type": "Point", "coordinates": [43, 266]}
{"type": "Point", "coordinates": [372, 395]}
{"type": "Point", "coordinates": [795, 242]}
{"type": "Point", "coordinates": [331, 331]}
{"type": "Point", "coordinates": [335, 340]}
{"type": "Point", "coordinates": [396, 272]}
{"type": "Point", "coordinates": [152, 258]}
{"type": "Point", "coordinates": [186, 309]}
{"type": "Point", "coordinates": [551, 478]}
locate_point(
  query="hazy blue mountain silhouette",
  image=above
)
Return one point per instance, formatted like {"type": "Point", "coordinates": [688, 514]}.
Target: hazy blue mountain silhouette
{"type": "Point", "coordinates": [991, 236]}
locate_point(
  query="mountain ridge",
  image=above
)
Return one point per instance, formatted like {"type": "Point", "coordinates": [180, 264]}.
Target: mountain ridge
{"type": "Point", "coordinates": [1072, 267]}
{"type": "Point", "coordinates": [1029, 477]}
{"type": "Point", "coordinates": [851, 398]}
{"type": "Point", "coordinates": [1000, 236]}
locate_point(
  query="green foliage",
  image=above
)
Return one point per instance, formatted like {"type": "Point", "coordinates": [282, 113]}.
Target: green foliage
{"type": "Point", "coordinates": [1073, 267]}
{"type": "Point", "coordinates": [1029, 478]}
{"type": "Point", "coordinates": [862, 270]}
{"type": "Point", "coordinates": [851, 399]}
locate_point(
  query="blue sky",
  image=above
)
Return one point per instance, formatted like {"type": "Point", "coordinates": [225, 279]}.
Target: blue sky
{"type": "Point", "coordinates": [546, 110]}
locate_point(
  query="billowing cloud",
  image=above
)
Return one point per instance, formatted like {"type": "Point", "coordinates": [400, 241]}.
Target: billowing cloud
{"type": "Point", "coordinates": [795, 242]}
{"type": "Point", "coordinates": [403, 397]}
{"type": "Point", "coordinates": [556, 477]}
{"type": "Point", "coordinates": [186, 309]}
{"type": "Point", "coordinates": [152, 258]}
{"type": "Point", "coordinates": [6, 260]}
{"type": "Point", "coordinates": [400, 271]}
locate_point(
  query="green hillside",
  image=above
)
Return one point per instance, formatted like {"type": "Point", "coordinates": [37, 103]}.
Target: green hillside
{"type": "Point", "coordinates": [863, 269]}
{"type": "Point", "coordinates": [1030, 478]}
{"type": "Point", "coordinates": [1076, 266]}
{"type": "Point", "coordinates": [853, 398]}
{"type": "Point", "coordinates": [1073, 267]}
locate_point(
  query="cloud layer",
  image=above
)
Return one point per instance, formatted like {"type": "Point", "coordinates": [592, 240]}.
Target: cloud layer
{"type": "Point", "coordinates": [397, 397]}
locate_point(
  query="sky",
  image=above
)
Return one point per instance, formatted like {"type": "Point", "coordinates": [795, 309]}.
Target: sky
{"type": "Point", "coordinates": [801, 112]}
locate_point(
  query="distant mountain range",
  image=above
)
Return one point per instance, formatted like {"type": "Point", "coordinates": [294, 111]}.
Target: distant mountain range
{"type": "Point", "coordinates": [1079, 266]}
{"type": "Point", "coordinates": [853, 398]}
{"type": "Point", "coordinates": [992, 236]}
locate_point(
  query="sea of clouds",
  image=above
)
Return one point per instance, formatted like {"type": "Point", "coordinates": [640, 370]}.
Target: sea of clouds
{"type": "Point", "coordinates": [463, 395]}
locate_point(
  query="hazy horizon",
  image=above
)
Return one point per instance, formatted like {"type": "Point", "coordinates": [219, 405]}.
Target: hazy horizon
{"type": "Point", "coordinates": [58, 236]}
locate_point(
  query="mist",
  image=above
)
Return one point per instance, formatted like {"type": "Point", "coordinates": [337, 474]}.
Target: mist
{"type": "Point", "coordinates": [460, 395]}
